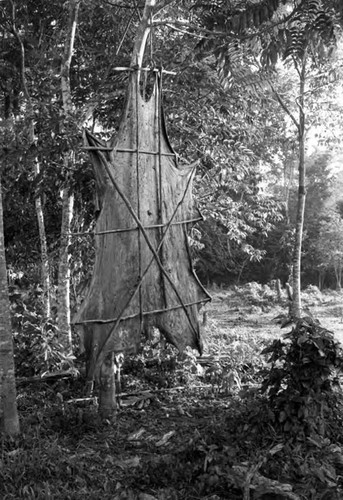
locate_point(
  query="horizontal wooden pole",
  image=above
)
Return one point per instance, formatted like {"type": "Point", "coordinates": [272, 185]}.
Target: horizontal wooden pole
{"type": "Point", "coordinates": [144, 313]}
{"type": "Point", "coordinates": [137, 68]}
{"type": "Point", "coordinates": [119, 150]}
{"type": "Point", "coordinates": [123, 230]}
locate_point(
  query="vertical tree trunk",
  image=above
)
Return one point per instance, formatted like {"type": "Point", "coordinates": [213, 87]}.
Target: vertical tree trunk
{"type": "Point", "coordinates": [45, 275]}
{"type": "Point", "coordinates": [63, 296]}
{"type": "Point", "coordinates": [142, 34]}
{"type": "Point", "coordinates": [338, 275]}
{"type": "Point", "coordinates": [288, 182]}
{"type": "Point", "coordinates": [299, 225]}
{"type": "Point", "coordinates": [9, 421]}
{"type": "Point", "coordinates": [321, 279]}
{"type": "Point", "coordinates": [296, 307]}
{"type": "Point", "coordinates": [45, 272]}
{"type": "Point", "coordinates": [107, 401]}
{"type": "Point", "coordinates": [107, 393]}
{"type": "Point", "coordinates": [278, 290]}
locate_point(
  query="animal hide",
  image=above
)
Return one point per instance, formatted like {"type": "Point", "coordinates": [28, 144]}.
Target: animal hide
{"type": "Point", "coordinates": [143, 275]}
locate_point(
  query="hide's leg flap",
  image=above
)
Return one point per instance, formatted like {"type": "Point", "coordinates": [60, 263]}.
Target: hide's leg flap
{"type": "Point", "coordinates": [107, 387]}
{"type": "Point", "coordinates": [93, 370]}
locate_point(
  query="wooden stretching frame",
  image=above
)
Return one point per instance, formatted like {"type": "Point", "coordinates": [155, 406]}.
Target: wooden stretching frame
{"type": "Point", "coordinates": [104, 156]}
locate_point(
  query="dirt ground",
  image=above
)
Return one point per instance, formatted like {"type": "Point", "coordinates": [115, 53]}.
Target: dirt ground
{"type": "Point", "coordinates": [252, 310]}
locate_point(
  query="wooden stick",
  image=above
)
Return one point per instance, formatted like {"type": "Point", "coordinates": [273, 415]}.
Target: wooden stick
{"type": "Point", "coordinates": [106, 148]}
{"type": "Point", "coordinates": [144, 313]}
{"type": "Point", "coordinates": [165, 389]}
{"type": "Point", "coordinates": [154, 226]}
{"type": "Point", "coordinates": [136, 68]}
{"type": "Point", "coordinates": [81, 400]}
{"type": "Point", "coordinates": [155, 257]}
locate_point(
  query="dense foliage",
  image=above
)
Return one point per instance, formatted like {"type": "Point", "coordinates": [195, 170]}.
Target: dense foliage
{"type": "Point", "coordinates": [302, 385]}
{"type": "Point", "coordinates": [194, 427]}
{"type": "Point", "coordinates": [251, 418]}
{"type": "Point", "coordinates": [231, 124]}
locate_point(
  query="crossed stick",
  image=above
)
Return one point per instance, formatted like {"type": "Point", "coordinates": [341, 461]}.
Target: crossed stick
{"type": "Point", "coordinates": [100, 356]}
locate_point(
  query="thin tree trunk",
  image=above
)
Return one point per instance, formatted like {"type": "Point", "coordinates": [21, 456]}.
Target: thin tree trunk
{"type": "Point", "coordinates": [299, 225]}
{"type": "Point", "coordinates": [45, 275]}
{"type": "Point", "coordinates": [338, 275]}
{"type": "Point", "coordinates": [107, 393]}
{"type": "Point", "coordinates": [241, 271]}
{"type": "Point", "coordinates": [288, 182]}
{"type": "Point", "coordinates": [296, 307]}
{"type": "Point", "coordinates": [45, 272]}
{"type": "Point", "coordinates": [9, 421]}
{"type": "Point", "coordinates": [142, 34]}
{"type": "Point", "coordinates": [107, 401]}
{"type": "Point", "coordinates": [278, 290]}
{"type": "Point", "coordinates": [63, 296]}
{"type": "Point", "coordinates": [321, 279]}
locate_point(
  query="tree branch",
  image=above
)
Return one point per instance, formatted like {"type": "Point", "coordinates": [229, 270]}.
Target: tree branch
{"type": "Point", "coordinates": [142, 34]}
{"type": "Point", "coordinates": [285, 107]}
{"type": "Point", "coordinates": [31, 131]}
{"type": "Point", "coordinates": [67, 55]}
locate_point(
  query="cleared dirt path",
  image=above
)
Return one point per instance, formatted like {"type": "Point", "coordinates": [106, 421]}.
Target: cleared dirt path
{"type": "Point", "coordinates": [243, 312]}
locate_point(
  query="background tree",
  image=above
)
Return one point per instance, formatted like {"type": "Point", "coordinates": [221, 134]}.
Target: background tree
{"type": "Point", "coordinates": [9, 421]}
{"type": "Point", "coordinates": [219, 108]}
{"type": "Point", "coordinates": [28, 141]}
{"type": "Point", "coordinates": [67, 196]}
{"type": "Point", "coordinates": [330, 246]}
{"type": "Point", "coordinates": [303, 36]}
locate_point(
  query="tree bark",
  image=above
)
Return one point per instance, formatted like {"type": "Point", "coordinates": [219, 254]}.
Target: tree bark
{"type": "Point", "coordinates": [295, 306]}
{"type": "Point", "coordinates": [45, 272]}
{"type": "Point", "coordinates": [142, 33]}
{"type": "Point", "coordinates": [107, 393]}
{"type": "Point", "coordinates": [288, 181]}
{"type": "Point", "coordinates": [278, 290]}
{"type": "Point", "coordinates": [338, 275]}
{"type": "Point", "coordinates": [107, 402]}
{"type": "Point", "coordinates": [299, 225]}
{"type": "Point", "coordinates": [9, 421]}
{"type": "Point", "coordinates": [321, 279]}
{"type": "Point", "coordinates": [63, 294]}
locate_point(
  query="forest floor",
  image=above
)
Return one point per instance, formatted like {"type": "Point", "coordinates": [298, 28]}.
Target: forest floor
{"type": "Point", "coordinates": [191, 429]}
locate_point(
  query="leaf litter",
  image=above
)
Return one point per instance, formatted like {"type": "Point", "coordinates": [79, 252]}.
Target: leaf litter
{"type": "Point", "coordinates": [181, 432]}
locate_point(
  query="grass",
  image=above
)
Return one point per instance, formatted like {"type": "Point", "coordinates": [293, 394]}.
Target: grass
{"type": "Point", "coordinates": [191, 436]}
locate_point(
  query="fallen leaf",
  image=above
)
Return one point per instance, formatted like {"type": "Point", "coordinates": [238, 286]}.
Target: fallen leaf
{"type": "Point", "coordinates": [146, 496]}
{"type": "Point", "coordinates": [180, 410]}
{"type": "Point", "coordinates": [129, 401]}
{"type": "Point", "coordinates": [128, 463]}
{"type": "Point", "coordinates": [13, 453]}
{"type": "Point", "coordinates": [276, 449]}
{"type": "Point", "coordinates": [136, 435]}
{"type": "Point", "coordinates": [165, 438]}
{"type": "Point", "coordinates": [140, 404]}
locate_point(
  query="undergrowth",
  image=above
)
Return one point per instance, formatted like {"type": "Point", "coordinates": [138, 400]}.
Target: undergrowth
{"type": "Point", "coordinates": [303, 382]}
{"type": "Point", "coordinates": [272, 430]}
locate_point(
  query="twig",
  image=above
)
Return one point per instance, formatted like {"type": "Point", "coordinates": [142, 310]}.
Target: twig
{"type": "Point", "coordinates": [157, 391]}
{"type": "Point", "coordinates": [46, 378]}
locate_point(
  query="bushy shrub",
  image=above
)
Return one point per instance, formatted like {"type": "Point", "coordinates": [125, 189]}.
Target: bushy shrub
{"type": "Point", "coordinates": [36, 346]}
{"type": "Point", "coordinates": [302, 384]}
